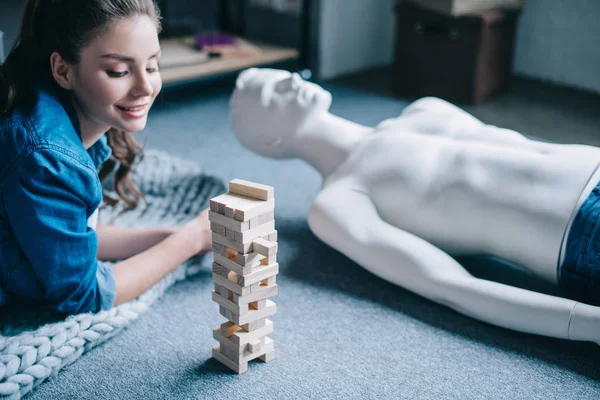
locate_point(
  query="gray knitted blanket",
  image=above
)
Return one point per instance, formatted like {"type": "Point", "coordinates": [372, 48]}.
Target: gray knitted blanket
{"type": "Point", "coordinates": [36, 346]}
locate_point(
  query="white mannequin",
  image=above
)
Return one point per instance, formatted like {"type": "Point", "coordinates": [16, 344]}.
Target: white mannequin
{"type": "Point", "coordinates": [400, 197]}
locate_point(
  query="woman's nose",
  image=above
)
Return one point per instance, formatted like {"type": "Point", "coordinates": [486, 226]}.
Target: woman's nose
{"type": "Point", "coordinates": [143, 87]}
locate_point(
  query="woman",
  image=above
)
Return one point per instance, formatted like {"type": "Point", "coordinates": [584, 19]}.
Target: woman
{"type": "Point", "coordinates": [79, 81]}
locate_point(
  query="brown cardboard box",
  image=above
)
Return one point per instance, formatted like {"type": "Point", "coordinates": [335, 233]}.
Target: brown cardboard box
{"type": "Point", "coordinates": [461, 59]}
{"type": "Point", "coordinates": [461, 7]}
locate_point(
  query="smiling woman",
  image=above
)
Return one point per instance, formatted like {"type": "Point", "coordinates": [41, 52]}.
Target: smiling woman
{"type": "Point", "coordinates": [116, 79]}
{"type": "Point", "coordinates": [96, 69]}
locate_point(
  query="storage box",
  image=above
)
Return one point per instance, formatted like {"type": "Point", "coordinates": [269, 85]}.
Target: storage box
{"type": "Point", "coordinates": [461, 59]}
{"type": "Point", "coordinates": [461, 7]}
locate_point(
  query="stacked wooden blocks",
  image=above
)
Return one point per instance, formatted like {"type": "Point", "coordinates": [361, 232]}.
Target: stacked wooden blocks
{"type": "Point", "coordinates": [245, 264]}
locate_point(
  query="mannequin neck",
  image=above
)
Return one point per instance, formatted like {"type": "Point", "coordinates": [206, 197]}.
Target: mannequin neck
{"type": "Point", "coordinates": [326, 140]}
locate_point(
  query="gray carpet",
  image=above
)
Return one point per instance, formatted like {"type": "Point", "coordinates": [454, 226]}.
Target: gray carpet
{"type": "Point", "coordinates": [339, 331]}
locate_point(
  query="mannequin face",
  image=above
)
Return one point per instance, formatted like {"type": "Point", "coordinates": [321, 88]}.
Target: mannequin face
{"type": "Point", "coordinates": [270, 107]}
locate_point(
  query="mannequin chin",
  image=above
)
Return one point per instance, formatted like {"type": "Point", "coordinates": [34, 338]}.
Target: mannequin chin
{"type": "Point", "coordinates": [471, 188]}
{"type": "Point", "coordinates": [270, 107]}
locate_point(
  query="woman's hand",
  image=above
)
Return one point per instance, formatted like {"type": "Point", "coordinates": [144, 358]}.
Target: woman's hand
{"type": "Point", "coordinates": [198, 230]}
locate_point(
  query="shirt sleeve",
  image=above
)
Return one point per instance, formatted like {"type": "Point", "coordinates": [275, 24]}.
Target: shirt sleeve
{"type": "Point", "coordinates": [47, 199]}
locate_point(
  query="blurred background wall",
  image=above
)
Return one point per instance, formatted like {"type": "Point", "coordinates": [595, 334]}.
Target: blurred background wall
{"type": "Point", "coordinates": [557, 40]}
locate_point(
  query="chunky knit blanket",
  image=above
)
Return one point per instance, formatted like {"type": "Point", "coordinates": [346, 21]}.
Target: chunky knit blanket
{"type": "Point", "coordinates": [35, 346]}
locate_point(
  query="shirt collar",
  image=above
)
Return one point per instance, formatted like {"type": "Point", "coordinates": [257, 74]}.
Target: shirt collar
{"type": "Point", "coordinates": [100, 151]}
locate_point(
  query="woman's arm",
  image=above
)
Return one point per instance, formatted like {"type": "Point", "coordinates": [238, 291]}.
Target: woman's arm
{"type": "Point", "coordinates": [118, 243]}
{"type": "Point", "coordinates": [139, 273]}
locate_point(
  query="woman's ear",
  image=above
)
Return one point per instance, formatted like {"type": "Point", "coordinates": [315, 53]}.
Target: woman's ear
{"type": "Point", "coordinates": [61, 71]}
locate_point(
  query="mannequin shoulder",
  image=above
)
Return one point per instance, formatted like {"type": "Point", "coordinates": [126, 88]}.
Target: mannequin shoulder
{"type": "Point", "coordinates": [432, 117]}
{"type": "Point", "coordinates": [341, 202]}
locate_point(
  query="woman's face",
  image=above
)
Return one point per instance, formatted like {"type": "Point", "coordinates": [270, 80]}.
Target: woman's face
{"type": "Point", "coordinates": [117, 78]}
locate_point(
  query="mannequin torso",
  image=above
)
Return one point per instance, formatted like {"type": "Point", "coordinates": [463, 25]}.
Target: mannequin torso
{"type": "Point", "coordinates": [466, 195]}
{"type": "Point", "coordinates": [402, 197]}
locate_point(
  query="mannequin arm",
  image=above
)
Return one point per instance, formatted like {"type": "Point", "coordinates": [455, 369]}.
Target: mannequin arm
{"type": "Point", "coordinates": [348, 221]}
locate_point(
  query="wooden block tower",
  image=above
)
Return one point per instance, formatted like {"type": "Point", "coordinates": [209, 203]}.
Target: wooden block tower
{"type": "Point", "coordinates": [244, 268]}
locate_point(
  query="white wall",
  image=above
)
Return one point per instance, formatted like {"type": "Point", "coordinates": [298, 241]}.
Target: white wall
{"type": "Point", "coordinates": [557, 40]}
{"type": "Point", "coordinates": [11, 12]}
{"type": "Point", "coordinates": [355, 35]}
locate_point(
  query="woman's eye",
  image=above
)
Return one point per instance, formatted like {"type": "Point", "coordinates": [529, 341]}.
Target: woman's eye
{"type": "Point", "coordinates": [152, 70]}
{"type": "Point", "coordinates": [116, 74]}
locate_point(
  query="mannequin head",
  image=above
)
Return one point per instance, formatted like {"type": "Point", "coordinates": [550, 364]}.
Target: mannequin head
{"type": "Point", "coordinates": [270, 107]}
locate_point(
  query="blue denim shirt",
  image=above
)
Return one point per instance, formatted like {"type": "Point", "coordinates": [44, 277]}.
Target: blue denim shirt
{"type": "Point", "coordinates": [49, 187]}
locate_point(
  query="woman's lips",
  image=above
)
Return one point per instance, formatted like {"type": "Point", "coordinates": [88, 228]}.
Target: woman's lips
{"type": "Point", "coordinates": [134, 111]}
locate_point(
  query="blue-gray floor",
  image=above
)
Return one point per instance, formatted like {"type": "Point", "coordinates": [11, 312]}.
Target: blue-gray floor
{"type": "Point", "coordinates": [340, 332]}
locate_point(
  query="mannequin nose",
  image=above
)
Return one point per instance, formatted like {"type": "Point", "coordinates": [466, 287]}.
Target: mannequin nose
{"type": "Point", "coordinates": [296, 80]}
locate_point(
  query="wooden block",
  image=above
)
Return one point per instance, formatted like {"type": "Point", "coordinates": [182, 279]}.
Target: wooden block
{"type": "Point", "coordinates": [251, 189]}
{"type": "Point", "coordinates": [261, 329]}
{"type": "Point", "coordinates": [231, 253]}
{"type": "Point", "coordinates": [258, 274]}
{"type": "Point", "coordinates": [228, 223]}
{"type": "Point", "coordinates": [233, 350]}
{"type": "Point", "coordinates": [268, 357]}
{"type": "Point", "coordinates": [257, 305]}
{"type": "Point", "coordinates": [255, 346]}
{"type": "Point", "coordinates": [220, 270]}
{"type": "Point", "coordinates": [233, 354]}
{"type": "Point", "coordinates": [266, 217]}
{"type": "Point", "coordinates": [229, 234]}
{"type": "Point", "coordinates": [272, 280]}
{"type": "Point", "coordinates": [264, 247]}
{"type": "Point", "coordinates": [242, 208]}
{"type": "Point", "coordinates": [228, 202]}
{"type": "Point", "coordinates": [245, 356]}
{"type": "Point", "coordinates": [239, 368]}
{"type": "Point", "coordinates": [252, 234]}
{"type": "Point", "coordinates": [254, 223]}
{"type": "Point", "coordinates": [251, 315]}
{"type": "Point", "coordinates": [262, 292]}
{"type": "Point", "coordinates": [219, 249]}
{"type": "Point", "coordinates": [250, 258]}
{"type": "Point", "coordinates": [268, 349]}
{"type": "Point", "coordinates": [239, 309]}
{"type": "Point", "coordinates": [228, 328]}
{"type": "Point", "coordinates": [232, 285]}
{"type": "Point", "coordinates": [219, 203]}
{"type": "Point", "coordinates": [255, 287]}
{"type": "Point", "coordinates": [239, 339]}
{"type": "Point", "coordinates": [228, 348]}
{"type": "Point", "coordinates": [247, 211]}
{"type": "Point", "coordinates": [234, 266]}
{"type": "Point", "coordinates": [228, 294]}
{"type": "Point", "coordinates": [216, 228]}
{"type": "Point", "coordinates": [229, 211]}
{"type": "Point", "coordinates": [239, 247]}
{"type": "Point", "coordinates": [256, 325]}
{"type": "Point", "coordinates": [226, 313]}
{"type": "Point", "coordinates": [261, 219]}
{"type": "Point", "coordinates": [269, 260]}
{"type": "Point", "coordinates": [217, 206]}
{"type": "Point", "coordinates": [273, 236]}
